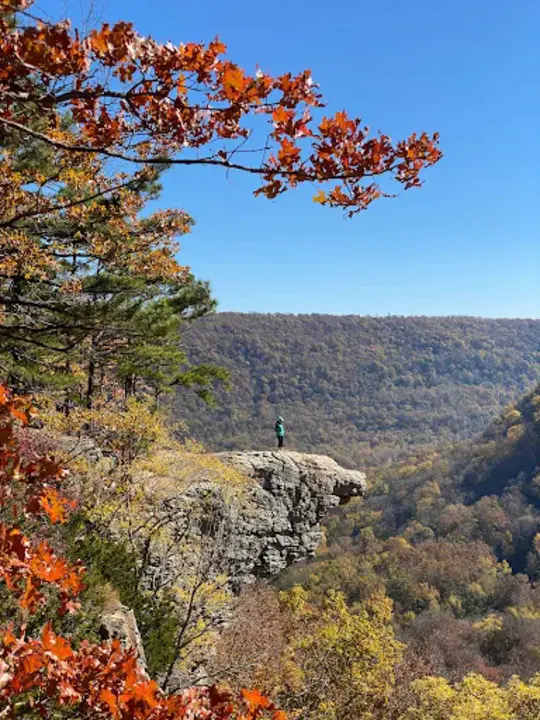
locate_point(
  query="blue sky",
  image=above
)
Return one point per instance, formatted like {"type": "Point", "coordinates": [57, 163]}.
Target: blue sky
{"type": "Point", "coordinates": [468, 243]}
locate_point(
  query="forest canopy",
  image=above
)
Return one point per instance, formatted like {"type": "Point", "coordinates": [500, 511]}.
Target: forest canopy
{"type": "Point", "coordinates": [363, 389]}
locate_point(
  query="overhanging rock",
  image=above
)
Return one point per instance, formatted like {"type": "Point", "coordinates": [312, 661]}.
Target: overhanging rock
{"type": "Point", "coordinates": [279, 521]}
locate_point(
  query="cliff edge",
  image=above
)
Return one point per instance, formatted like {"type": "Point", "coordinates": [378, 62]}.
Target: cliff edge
{"type": "Point", "coordinates": [279, 521]}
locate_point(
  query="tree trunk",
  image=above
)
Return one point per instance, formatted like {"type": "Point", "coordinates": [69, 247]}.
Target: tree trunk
{"type": "Point", "coordinates": [129, 387]}
{"type": "Point", "coordinates": [90, 387]}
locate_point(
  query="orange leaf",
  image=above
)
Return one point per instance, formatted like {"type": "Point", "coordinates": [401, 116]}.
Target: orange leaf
{"type": "Point", "coordinates": [146, 691]}
{"type": "Point", "coordinates": [181, 85]}
{"type": "Point", "coordinates": [55, 644]}
{"type": "Point", "coordinates": [255, 699]}
{"type": "Point", "coordinates": [31, 663]}
{"type": "Point", "coordinates": [99, 41]}
{"type": "Point", "coordinates": [234, 80]}
{"type": "Point", "coordinates": [217, 47]}
{"type": "Point", "coordinates": [288, 151]}
{"type": "Point", "coordinates": [281, 115]}
{"type": "Point", "coordinates": [55, 505]}
{"type": "Point", "coordinates": [21, 415]}
{"type": "Point", "coordinates": [109, 699]}
{"type": "Point", "coordinates": [31, 594]}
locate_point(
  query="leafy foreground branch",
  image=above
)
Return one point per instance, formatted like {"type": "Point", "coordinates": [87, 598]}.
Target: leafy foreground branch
{"type": "Point", "coordinates": [140, 102]}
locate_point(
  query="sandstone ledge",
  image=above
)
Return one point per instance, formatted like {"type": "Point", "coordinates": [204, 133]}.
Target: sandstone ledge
{"type": "Point", "coordinates": [279, 523]}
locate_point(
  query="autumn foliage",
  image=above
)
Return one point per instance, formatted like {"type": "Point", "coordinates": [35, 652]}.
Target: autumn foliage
{"type": "Point", "coordinates": [142, 102]}
{"type": "Point", "coordinates": [88, 121]}
{"type": "Point", "coordinates": [42, 672]}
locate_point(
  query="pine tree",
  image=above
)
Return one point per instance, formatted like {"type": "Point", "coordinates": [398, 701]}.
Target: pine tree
{"type": "Point", "coordinates": [107, 309]}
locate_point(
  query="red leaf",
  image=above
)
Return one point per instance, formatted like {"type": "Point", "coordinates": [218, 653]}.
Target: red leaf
{"type": "Point", "coordinates": [55, 644]}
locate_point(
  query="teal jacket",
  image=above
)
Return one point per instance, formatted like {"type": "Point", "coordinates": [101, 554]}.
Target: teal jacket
{"type": "Point", "coordinates": [280, 429]}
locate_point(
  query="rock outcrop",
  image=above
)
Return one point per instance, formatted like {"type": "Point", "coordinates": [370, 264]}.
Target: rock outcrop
{"type": "Point", "coordinates": [245, 529]}
{"type": "Point", "coordinates": [208, 525]}
{"type": "Point", "coordinates": [279, 521]}
{"type": "Point", "coordinates": [118, 623]}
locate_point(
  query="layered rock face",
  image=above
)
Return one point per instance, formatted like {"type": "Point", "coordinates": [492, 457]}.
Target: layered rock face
{"type": "Point", "coordinates": [252, 530]}
{"type": "Point", "coordinates": [278, 522]}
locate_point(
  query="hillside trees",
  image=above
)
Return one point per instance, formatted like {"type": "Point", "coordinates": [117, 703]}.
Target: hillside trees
{"type": "Point", "coordinates": [345, 660]}
{"type": "Point", "coordinates": [321, 658]}
{"type": "Point", "coordinates": [42, 673]}
{"type": "Point", "coordinates": [450, 536]}
{"type": "Point", "coordinates": [326, 659]}
{"type": "Point", "coordinates": [475, 697]}
{"type": "Point", "coordinates": [366, 390]}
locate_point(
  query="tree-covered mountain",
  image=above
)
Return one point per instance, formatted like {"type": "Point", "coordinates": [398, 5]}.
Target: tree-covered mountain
{"type": "Point", "coordinates": [362, 389]}
{"type": "Point", "coordinates": [454, 539]}
{"type": "Point", "coordinates": [487, 489]}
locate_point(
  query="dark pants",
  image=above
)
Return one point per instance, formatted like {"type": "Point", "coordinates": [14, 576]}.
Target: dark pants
{"type": "Point", "coordinates": [280, 441]}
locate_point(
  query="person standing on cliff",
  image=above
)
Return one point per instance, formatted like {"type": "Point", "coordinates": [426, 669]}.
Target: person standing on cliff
{"type": "Point", "coordinates": [280, 432]}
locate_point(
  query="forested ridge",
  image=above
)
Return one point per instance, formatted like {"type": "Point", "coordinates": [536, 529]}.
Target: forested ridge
{"type": "Point", "coordinates": [363, 389]}
{"type": "Point", "coordinates": [450, 529]}
{"type": "Point", "coordinates": [454, 538]}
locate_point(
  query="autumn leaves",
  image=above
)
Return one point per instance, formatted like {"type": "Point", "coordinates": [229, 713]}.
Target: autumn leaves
{"type": "Point", "coordinates": [42, 674]}
{"type": "Point", "coordinates": [137, 100]}
{"type": "Point", "coordinates": [87, 122]}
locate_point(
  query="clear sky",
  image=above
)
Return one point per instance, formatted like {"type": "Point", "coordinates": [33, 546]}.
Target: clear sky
{"type": "Point", "coordinates": [468, 243]}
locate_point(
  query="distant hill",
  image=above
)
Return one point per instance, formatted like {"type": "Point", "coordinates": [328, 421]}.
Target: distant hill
{"type": "Point", "coordinates": [365, 390]}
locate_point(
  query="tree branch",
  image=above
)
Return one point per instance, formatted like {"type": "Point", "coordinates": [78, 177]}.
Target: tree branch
{"type": "Point", "coordinates": [299, 174]}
